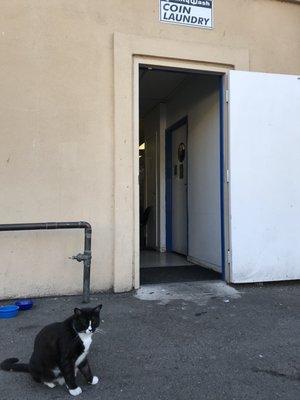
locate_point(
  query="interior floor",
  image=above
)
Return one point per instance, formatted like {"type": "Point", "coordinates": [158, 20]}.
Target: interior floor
{"type": "Point", "coordinates": [153, 259]}
{"type": "Point", "coordinates": [188, 273]}
{"type": "Point", "coordinates": [159, 267]}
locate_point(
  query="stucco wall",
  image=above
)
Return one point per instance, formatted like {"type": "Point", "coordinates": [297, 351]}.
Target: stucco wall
{"type": "Point", "coordinates": [57, 126]}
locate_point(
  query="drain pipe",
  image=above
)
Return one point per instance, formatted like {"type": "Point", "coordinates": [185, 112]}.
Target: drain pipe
{"type": "Point", "coordinates": [85, 257]}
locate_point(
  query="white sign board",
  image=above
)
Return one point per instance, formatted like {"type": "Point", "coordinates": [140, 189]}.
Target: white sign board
{"type": "Point", "coordinates": [196, 13]}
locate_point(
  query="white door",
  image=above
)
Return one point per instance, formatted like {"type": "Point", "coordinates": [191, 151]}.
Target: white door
{"type": "Point", "coordinates": [264, 142]}
{"type": "Point", "coordinates": [179, 190]}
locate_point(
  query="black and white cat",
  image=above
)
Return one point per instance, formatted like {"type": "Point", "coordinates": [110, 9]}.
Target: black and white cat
{"type": "Point", "coordinates": [60, 350]}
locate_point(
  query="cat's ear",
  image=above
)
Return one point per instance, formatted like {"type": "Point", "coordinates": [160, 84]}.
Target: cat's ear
{"type": "Point", "coordinates": [98, 308]}
{"type": "Point", "coordinates": [77, 312]}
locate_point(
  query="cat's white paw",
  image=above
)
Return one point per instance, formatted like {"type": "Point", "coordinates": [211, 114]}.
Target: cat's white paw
{"type": "Point", "coordinates": [95, 380]}
{"type": "Point", "coordinates": [50, 384]}
{"type": "Point", "coordinates": [75, 392]}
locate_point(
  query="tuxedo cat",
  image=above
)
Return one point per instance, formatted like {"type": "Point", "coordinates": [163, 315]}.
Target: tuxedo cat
{"type": "Point", "coordinates": [60, 350]}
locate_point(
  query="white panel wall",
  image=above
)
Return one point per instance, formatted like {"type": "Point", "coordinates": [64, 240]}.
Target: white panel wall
{"type": "Point", "coordinates": [151, 128]}
{"type": "Point", "coordinates": [265, 176]}
{"type": "Point", "coordinates": [154, 125]}
{"type": "Point", "coordinates": [198, 98]}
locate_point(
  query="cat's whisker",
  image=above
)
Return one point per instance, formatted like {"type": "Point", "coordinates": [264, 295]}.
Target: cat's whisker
{"type": "Point", "coordinates": [100, 331]}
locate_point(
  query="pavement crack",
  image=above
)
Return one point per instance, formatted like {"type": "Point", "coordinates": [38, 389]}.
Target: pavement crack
{"type": "Point", "coordinates": [292, 377]}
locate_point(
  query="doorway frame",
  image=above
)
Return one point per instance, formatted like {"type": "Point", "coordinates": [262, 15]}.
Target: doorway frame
{"type": "Point", "coordinates": [223, 159]}
{"type": "Point", "coordinates": [129, 52]}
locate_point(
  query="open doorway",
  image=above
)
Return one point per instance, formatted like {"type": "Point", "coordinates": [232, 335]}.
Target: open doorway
{"type": "Point", "coordinates": [180, 175]}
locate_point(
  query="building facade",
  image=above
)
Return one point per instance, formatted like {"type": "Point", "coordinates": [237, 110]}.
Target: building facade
{"type": "Point", "coordinates": [69, 98]}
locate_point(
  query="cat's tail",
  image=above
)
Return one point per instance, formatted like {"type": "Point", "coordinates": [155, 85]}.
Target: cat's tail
{"type": "Point", "coordinates": [11, 365]}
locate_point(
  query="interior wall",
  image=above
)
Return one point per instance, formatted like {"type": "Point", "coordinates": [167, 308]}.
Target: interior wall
{"type": "Point", "coordinates": [198, 98]}
{"type": "Point", "coordinates": [162, 178]}
{"type": "Point", "coordinates": [154, 127]}
{"type": "Point", "coordinates": [151, 129]}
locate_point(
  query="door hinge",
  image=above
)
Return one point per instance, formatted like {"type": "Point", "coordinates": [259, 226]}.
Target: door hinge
{"type": "Point", "coordinates": [227, 96]}
{"type": "Point", "coordinates": [228, 176]}
{"type": "Point", "coordinates": [228, 257]}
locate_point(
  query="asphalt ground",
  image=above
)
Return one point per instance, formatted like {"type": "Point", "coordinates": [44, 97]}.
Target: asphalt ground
{"type": "Point", "coordinates": [187, 340]}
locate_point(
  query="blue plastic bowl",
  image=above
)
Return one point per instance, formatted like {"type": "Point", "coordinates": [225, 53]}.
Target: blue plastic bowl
{"type": "Point", "coordinates": [24, 304]}
{"type": "Point", "coordinates": [9, 311]}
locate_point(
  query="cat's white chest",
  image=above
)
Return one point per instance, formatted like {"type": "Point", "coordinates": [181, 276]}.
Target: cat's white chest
{"type": "Point", "coordinates": [86, 339]}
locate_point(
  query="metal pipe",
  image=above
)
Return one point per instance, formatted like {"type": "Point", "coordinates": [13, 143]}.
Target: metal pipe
{"type": "Point", "coordinates": [87, 264]}
{"type": "Point", "coordinates": [85, 257]}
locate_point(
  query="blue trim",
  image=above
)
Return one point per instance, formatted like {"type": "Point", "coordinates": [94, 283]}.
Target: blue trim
{"type": "Point", "coordinates": [187, 187]}
{"type": "Point", "coordinates": [221, 102]}
{"type": "Point", "coordinates": [169, 174]}
{"type": "Point", "coordinates": [178, 124]}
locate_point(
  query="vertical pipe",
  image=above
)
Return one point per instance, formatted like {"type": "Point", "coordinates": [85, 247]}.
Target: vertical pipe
{"type": "Point", "coordinates": [87, 264]}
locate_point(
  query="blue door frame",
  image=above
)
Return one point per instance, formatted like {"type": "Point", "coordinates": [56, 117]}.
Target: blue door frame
{"type": "Point", "coordinates": [169, 173]}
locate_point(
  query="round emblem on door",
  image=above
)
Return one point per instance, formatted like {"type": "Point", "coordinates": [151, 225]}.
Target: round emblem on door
{"type": "Point", "coordinates": [181, 152]}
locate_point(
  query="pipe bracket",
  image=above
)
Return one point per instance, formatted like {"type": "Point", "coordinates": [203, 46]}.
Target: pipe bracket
{"type": "Point", "coordinates": [82, 257]}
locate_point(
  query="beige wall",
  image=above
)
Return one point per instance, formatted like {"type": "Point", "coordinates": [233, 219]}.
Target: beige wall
{"type": "Point", "coordinates": [58, 149]}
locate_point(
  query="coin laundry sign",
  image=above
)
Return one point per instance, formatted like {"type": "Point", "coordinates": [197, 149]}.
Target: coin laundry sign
{"type": "Point", "coordinates": [197, 13]}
